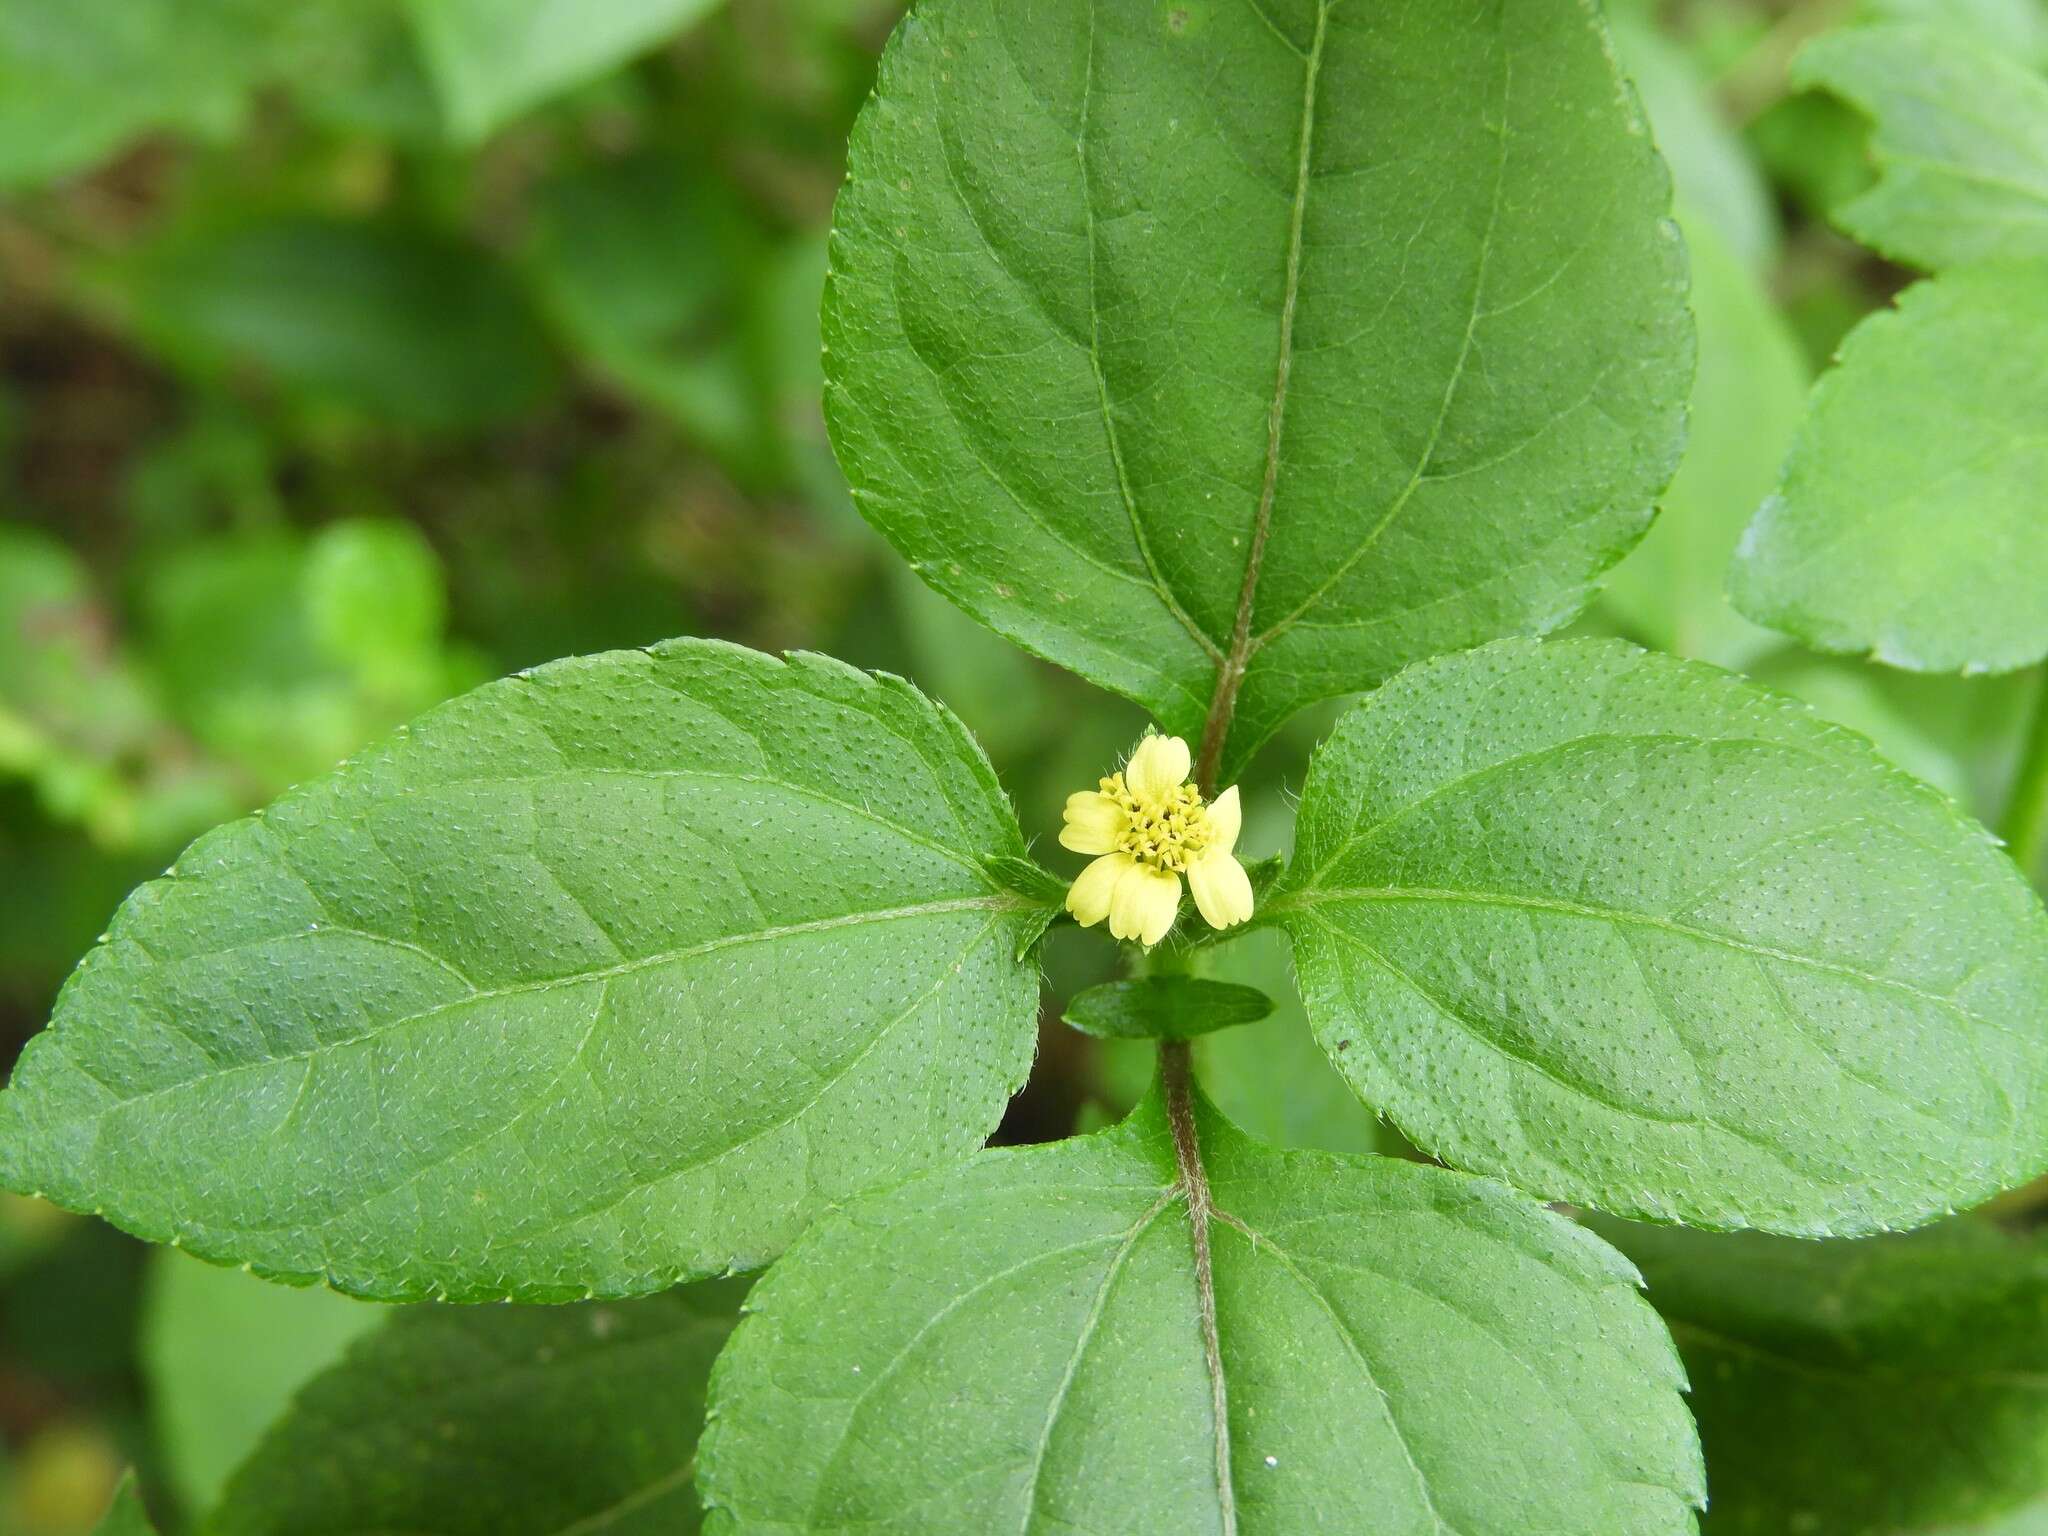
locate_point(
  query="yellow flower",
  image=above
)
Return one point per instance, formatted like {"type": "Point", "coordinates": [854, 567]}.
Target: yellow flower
{"type": "Point", "coordinates": [1150, 827]}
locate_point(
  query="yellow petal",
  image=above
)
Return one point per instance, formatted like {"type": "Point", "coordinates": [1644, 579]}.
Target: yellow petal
{"type": "Point", "coordinates": [1144, 903]}
{"type": "Point", "coordinates": [1223, 892]}
{"type": "Point", "coordinates": [1223, 817]}
{"type": "Point", "coordinates": [1089, 897]}
{"type": "Point", "coordinates": [1158, 767]}
{"type": "Point", "coordinates": [1094, 823]}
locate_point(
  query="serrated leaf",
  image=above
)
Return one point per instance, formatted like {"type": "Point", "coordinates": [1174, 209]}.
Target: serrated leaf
{"type": "Point", "coordinates": [1711, 167]}
{"type": "Point", "coordinates": [1379, 351]}
{"type": "Point", "coordinates": [126, 1516]}
{"type": "Point", "coordinates": [597, 978]}
{"type": "Point", "coordinates": [1165, 1008]}
{"type": "Point", "coordinates": [1821, 1371]}
{"type": "Point", "coordinates": [1630, 932]}
{"type": "Point", "coordinates": [1018, 1344]}
{"type": "Point", "coordinates": [506, 1421]}
{"type": "Point", "coordinates": [223, 1353]}
{"type": "Point", "coordinates": [493, 59]}
{"type": "Point", "coordinates": [1961, 139]}
{"type": "Point", "coordinates": [1912, 518]}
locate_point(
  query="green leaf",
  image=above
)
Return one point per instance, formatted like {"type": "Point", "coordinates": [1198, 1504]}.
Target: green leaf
{"type": "Point", "coordinates": [126, 1517]}
{"type": "Point", "coordinates": [1377, 351]}
{"type": "Point", "coordinates": [1912, 519]}
{"type": "Point", "coordinates": [78, 80]}
{"type": "Point", "coordinates": [1033, 1342]}
{"type": "Point", "coordinates": [1748, 400]}
{"type": "Point", "coordinates": [283, 655]}
{"type": "Point", "coordinates": [375, 600]}
{"type": "Point", "coordinates": [1629, 932]}
{"type": "Point", "coordinates": [1961, 140]}
{"type": "Point", "coordinates": [493, 59]}
{"type": "Point", "coordinates": [1710, 166]}
{"type": "Point", "coordinates": [2016, 28]}
{"type": "Point", "coordinates": [600, 977]}
{"type": "Point", "coordinates": [1272, 1078]}
{"type": "Point", "coordinates": [223, 1353]}
{"type": "Point", "coordinates": [512, 1421]}
{"type": "Point", "coordinates": [1819, 1371]}
{"type": "Point", "coordinates": [641, 261]}
{"type": "Point", "coordinates": [396, 322]}
{"type": "Point", "coordinates": [1165, 1008]}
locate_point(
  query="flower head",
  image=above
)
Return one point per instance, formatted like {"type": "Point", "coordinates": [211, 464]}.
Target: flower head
{"type": "Point", "coordinates": [1150, 826]}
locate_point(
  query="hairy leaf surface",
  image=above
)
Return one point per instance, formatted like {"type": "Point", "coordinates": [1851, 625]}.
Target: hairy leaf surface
{"type": "Point", "coordinates": [597, 978]}
{"type": "Point", "coordinates": [1630, 932]}
{"type": "Point", "coordinates": [1898, 1385]}
{"type": "Point", "coordinates": [1314, 338]}
{"type": "Point", "coordinates": [1961, 141]}
{"type": "Point", "coordinates": [506, 1421]}
{"type": "Point", "coordinates": [1018, 1344]}
{"type": "Point", "coordinates": [1912, 518]}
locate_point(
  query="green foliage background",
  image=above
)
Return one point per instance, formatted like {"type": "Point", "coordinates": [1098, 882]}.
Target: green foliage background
{"type": "Point", "coordinates": [353, 354]}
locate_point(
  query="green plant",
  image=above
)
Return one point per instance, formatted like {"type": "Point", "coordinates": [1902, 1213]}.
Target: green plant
{"type": "Point", "coordinates": [1236, 358]}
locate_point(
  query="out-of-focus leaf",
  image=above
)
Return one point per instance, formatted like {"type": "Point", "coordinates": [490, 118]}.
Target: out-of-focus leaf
{"type": "Point", "coordinates": [1959, 733]}
{"type": "Point", "coordinates": [284, 654]}
{"type": "Point", "coordinates": [594, 979]}
{"type": "Point", "coordinates": [996, 688]}
{"type": "Point", "coordinates": [1632, 933]}
{"type": "Point", "coordinates": [1272, 1077]}
{"type": "Point", "coordinates": [645, 263]}
{"type": "Point", "coordinates": [1710, 165]}
{"type": "Point", "coordinates": [1377, 351]}
{"type": "Point", "coordinates": [81, 78]}
{"type": "Point", "coordinates": [77, 722]}
{"type": "Point", "coordinates": [389, 320]}
{"type": "Point", "coordinates": [379, 88]}
{"type": "Point", "coordinates": [1961, 142]}
{"type": "Point", "coordinates": [2016, 29]}
{"type": "Point", "coordinates": [1815, 148]}
{"type": "Point", "coordinates": [1895, 1386]}
{"type": "Point", "coordinates": [493, 59]}
{"type": "Point", "coordinates": [375, 603]}
{"type": "Point", "coordinates": [223, 1353]}
{"type": "Point", "coordinates": [127, 1517]}
{"type": "Point", "coordinates": [1748, 399]}
{"type": "Point", "coordinates": [501, 1421]}
{"type": "Point", "coordinates": [1017, 1344]}
{"type": "Point", "coordinates": [1911, 522]}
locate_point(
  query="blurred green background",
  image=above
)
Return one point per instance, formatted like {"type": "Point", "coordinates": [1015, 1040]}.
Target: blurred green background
{"type": "Point", "coordinates": [356, 351]}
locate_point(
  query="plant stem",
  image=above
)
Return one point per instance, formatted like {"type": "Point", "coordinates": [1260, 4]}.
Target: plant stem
{"type": "Point", "coordinates": [1176, 1073]}
{"type": "Point", "coordinates": [1230, 668]}
{"type": "Point", "coordinates": [2025, 827]}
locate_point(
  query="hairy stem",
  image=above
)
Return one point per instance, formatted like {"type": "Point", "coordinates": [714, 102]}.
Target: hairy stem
{"type": "Point", "coordinates": [1177, 1073]}
{"type": "Point", "coordinates": [2025, 827]}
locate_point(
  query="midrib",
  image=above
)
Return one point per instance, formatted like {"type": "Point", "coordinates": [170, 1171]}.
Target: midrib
{"type": "Point", "coordinates": [1231, 667]}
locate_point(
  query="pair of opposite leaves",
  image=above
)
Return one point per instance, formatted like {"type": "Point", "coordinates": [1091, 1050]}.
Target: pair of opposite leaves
{"type": "Point", "coordinates": [619, 973]}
